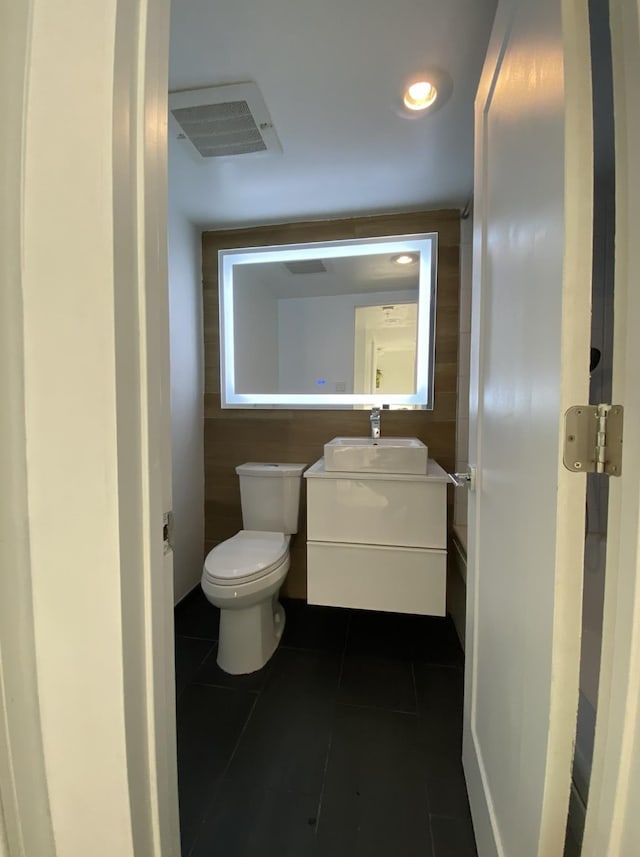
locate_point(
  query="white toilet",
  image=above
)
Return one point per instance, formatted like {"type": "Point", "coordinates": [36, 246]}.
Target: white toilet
{"type": "Point", "coordinates": [243, 575]}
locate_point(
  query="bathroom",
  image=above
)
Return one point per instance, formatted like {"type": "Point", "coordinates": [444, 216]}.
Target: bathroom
{"type": "Point", "coordinates": [225, 438]}
{"type": "Point", "coordinates": [232, 437]}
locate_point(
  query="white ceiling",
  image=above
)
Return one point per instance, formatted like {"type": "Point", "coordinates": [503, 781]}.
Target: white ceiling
{"type": "Point", "coordinates": [331, 73]}
{"type": "Point", "coordinates": [344, 276]}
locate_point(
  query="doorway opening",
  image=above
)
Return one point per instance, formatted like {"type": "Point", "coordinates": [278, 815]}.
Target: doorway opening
{"type": "Point", "coordinates": [385, 348]}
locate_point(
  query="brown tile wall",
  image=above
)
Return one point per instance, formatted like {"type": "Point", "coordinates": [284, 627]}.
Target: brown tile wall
{"type": "Point", "coordinates": [234, 436]}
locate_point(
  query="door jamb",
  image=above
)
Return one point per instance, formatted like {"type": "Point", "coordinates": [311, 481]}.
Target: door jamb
{"type": "Point", "coordinates": [612, 826]}
{"type": "Point", "coordinates": [35, 801]}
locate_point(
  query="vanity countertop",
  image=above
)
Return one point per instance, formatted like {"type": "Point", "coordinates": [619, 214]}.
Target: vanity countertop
{"type": "Point", "coordinates": [434, 473]}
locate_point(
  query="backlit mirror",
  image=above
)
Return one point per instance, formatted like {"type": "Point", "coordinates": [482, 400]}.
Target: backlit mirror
{"type": "Point", "coordinates": [338, 324]}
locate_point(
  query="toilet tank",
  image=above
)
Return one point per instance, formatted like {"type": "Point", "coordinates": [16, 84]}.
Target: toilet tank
{"type": "Point", "coordinates": [270, 495]}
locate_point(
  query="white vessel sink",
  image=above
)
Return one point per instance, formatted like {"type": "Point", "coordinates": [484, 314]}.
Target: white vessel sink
{"type": "Point", "coordinates": [382, 455]}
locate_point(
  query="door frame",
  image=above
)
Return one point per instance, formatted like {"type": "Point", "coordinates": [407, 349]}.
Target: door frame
{"type": "Point", "coordinates": [612, 825]}
{"type": "Point", "coordinates": [23, 782]}
{"type": "Point", "coordinates": [87, 701]}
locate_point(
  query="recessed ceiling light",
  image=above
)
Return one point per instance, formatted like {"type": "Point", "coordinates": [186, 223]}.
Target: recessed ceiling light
{"type": "Point", "coordinates": [420, 95]}
{"type": "Point", "coordinates": [404, 259]}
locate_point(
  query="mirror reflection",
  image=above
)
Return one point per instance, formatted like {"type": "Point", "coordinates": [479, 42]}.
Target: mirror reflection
{"type": "Point", "coordinates": [334, 323]}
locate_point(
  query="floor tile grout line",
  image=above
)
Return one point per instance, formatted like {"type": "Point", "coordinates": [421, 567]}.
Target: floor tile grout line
{"type": "Point", "coordinates": [347, 634]}
{"type": "Point", "coordinates": [330, 744]}
{"type": "Point", "coordinates": [415, 684]}
{"type": "Point", "coordinates": [449, 817]}
{"type": "Point", "coordinates": [212, 640]}
{"type": "Point", "coordinates": [362, 707]}
{"type": "Point", "coordinates": [210, 804]}
{"type": "Point", "coordinates": [192, 682]}
{"type": "Point", "coordinates": [313, 650]}
{"type": "Point", "coordinates": [203, 817]}
{"type": "Point", "coordinates": [253, 690]}
{"type": "Point", "coordinates": [456, 667]}
{"type": "Point", "coordinates": [324, 777]}
{"type": "Point", "coordinates": [242, 731]}
{"type": "Point", "coordinates": [433, 842]}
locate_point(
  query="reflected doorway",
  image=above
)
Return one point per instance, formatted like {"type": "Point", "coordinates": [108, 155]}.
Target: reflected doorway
{"type": "Point", "coordinates": [385, 352]}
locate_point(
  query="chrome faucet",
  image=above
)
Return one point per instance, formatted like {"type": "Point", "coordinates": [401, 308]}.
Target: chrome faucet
{"type": "Point", "coordinates": [375, 422]}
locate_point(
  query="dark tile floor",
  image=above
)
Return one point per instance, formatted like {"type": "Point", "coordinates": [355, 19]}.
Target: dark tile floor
{"type": "Point", "coordinates": [347, 744]}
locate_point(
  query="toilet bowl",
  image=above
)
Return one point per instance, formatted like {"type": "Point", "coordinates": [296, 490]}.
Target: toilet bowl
{"type": "Point", "coordinates": [243, 575]}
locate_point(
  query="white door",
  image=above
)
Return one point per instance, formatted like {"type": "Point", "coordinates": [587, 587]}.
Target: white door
{"type": "Point", "coordinates": [87, 723]}
{"type": "Point", "coordinates": [530, 360]}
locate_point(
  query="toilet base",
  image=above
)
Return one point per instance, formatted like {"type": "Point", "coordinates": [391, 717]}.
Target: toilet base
{"type": "Point", "coordinates": [249, 636]}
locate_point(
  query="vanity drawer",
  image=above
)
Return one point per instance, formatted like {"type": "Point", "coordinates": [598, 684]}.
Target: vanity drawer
{"type": "Point", "coordinates": [377, 512]}
{"type": "Point", "coordinates": [372, 577]}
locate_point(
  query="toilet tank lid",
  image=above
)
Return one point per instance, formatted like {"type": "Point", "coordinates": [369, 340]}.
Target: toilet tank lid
{"type": "Point", "coordinates": [257, 468]}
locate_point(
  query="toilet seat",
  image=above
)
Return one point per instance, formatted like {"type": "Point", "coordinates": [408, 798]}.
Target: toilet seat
{"type": "Point", "coordinates": [247, 556]}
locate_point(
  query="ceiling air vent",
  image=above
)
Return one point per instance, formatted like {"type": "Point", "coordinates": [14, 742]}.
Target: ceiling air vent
{"type": "Point", "coordinates": [224, 120]}
{"type": "Point", "coordinates": [306, 266]}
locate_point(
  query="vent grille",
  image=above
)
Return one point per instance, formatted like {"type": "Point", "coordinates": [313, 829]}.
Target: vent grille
{"type": "Point", "coordinates": [221, 129]}
{"type": "Point", "coordinates": [306, 266]}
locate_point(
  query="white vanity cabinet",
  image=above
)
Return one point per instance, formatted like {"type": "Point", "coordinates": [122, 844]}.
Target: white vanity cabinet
{"type": "Point", "coordinates": [377, 541]}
